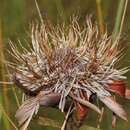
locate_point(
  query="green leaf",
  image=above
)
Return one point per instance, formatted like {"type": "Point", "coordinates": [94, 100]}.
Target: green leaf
{"type": "Point", "coordinates": [45, 121]}
{"type": "Point", "coordinates": [85, 127]}
{"type": "Point", "coordinates": [55, 120]}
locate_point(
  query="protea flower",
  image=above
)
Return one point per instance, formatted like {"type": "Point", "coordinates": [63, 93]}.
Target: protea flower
{"type": "Point", "coordinates": [73, 61]}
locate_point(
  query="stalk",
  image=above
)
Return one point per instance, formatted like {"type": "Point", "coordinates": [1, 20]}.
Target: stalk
{"type": "Point", "coordinates": [122, 6]}
{"type": "Point", "coordinates": [3, 95]}
{"type": "Point", "coordinates": [100, 16]}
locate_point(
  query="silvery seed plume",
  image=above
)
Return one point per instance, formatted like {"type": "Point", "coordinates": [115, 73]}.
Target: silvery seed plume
{"type": "Point", "coordinates": [72, 61]}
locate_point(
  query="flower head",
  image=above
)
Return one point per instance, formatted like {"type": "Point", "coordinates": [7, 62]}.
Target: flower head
{"type": "Point", "coordinates": [72, 61]}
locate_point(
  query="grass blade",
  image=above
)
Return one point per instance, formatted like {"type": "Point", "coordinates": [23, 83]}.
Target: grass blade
{"type": "Point", "coordinates": [122, 6]}
{"type": "Point", "coordinates": [100, 16]}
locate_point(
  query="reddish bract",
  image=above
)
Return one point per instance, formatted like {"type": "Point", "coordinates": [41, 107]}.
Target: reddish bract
{"type": "Point", "coordinates": [81, 111]}
{"type": "Point", "coordinates": [117, 87]}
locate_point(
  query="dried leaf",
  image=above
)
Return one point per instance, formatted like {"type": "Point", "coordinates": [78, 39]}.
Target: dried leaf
{"type": "Point", "coordinates": [26, 111]}
{"type": "Point", "coordinates": [114, 106]}
{"type": "Point", "coordinates": [50, 99]}
{"type": "Point", "coordinates": [87, 104]}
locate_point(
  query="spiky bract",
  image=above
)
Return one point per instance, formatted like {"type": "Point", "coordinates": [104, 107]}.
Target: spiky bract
{"type": "Point", "coordinates": [71, 61]}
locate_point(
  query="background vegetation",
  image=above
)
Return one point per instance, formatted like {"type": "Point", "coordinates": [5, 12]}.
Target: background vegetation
{"type": "Point", "coordinates": [15, 16]}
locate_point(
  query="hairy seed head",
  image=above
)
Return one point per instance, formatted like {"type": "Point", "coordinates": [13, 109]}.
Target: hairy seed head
{"type": "Point", "coordinates": [71, 61]}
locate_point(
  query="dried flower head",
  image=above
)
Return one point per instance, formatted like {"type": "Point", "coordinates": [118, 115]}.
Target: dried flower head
{"type": "Point", "coordinates": [72, 61]}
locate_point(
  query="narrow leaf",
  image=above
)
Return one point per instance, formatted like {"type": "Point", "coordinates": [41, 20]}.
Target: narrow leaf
{"type": "Point", "coordinates": [85, 127]}
{"type": "Point", "coordinates": [45, 121]}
